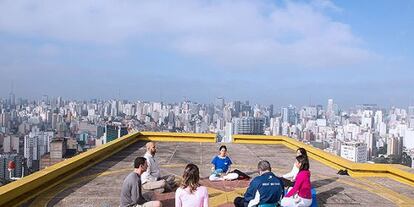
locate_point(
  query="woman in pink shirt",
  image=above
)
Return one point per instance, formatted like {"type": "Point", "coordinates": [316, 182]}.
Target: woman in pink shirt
{"type": "Point", "coordinates": [300, 194]}
{"type": "Point", "coordinates": [191, 193]}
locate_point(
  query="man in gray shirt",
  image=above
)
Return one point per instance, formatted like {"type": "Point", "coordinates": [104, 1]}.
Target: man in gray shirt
{"type": "Point", "coordinates": [131, 193]}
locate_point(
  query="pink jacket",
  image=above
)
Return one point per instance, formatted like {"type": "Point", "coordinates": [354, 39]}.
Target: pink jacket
{"type": "Point", "coordinates": [302, 185]}
{"type": "Point", "coordinates": [183, 197]}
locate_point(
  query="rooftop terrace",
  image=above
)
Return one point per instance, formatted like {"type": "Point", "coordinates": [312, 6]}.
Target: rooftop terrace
{"type": "Point", "coordinates": [95, 179]}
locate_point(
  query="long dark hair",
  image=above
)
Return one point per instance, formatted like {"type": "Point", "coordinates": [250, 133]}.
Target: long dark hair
{"type": "Point", "coordinates": [191, 177]}
{"type": "Point", "coordinates": [304, 162]}
{"type": "Point", "coordinates": [302, 152]}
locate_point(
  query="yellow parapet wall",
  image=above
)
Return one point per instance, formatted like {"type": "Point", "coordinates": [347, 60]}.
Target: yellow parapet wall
{"type": "Point", "coordinates": [176, 137]}
{"type": "Point", "coordinates": [399, 173]}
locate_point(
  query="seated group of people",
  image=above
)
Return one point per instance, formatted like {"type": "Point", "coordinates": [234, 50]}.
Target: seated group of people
{"type": "Point", "coordinates": [267, 188]}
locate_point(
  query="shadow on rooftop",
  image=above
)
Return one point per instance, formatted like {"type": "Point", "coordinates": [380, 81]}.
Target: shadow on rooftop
{"type": "Point", "coordinates": [94, 172]}
{"type": "Point", "coordinates": [324, 196]}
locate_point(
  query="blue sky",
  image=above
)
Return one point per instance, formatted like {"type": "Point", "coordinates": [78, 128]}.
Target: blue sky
{"type": "Point", "coordinates": [278, 52]}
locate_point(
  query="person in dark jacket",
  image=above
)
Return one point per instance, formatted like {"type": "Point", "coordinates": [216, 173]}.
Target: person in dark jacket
{"type": "Point", "coordinates": [263, 189]}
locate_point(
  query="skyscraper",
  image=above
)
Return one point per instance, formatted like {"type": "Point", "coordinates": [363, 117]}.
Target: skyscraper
{"type": "Point", "coordinates": [248, 125]}
{"type": "Point", "coordinates": [219, 103]}
{"type": "Point", "coordinates": [330, 109]}
{"type": "Point", "coordinates": [289, 115]}
{"type": "Point", "coordinates": [354, 151]}
{"type": "Point", "coordinates": [394, 146]}
{"type": "Point", "coordinates": [113, 132]}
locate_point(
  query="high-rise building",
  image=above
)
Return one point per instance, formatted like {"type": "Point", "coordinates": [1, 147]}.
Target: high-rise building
{"type": "Point", "coordinates": [12, 99]}
{"type": "Point", "coordinates": [228, 132]}
{"type": "Point", "coordinates": [394, 145]}
{"type": "Point", "coordinates": [409, 139]}
{"type": "Point", "coordinates": [371, 140]}
{"type": "Point", "coordinates": [114, 108]}
{"type": "Point", "coordinates": [11, 144]}
{"type": "Point", "coordinates": [354, 151]}
{"type": "Point", "coordinates": [7, 144]}
{"type": "Point", "coordinates": [275, 126]}
{"type": "Point", "coordinates": [289, 115]}
{"type": "Point", "coordinates": [54, 120]}
{"type": "Point", "coordinates": [237, 108]}
{"type": "Point", "coordinates": [36, 144]}
{"type": "Point", "coordinates": [113, 132]}
{"type": "Point", "coordinates": [219, 103]}
{"type": "Point", "coordinates": [330, 109]}
{"type": "Point", "coordinates": [410, 111]}
{"type": "Point", "coordinates": [248, 125]}
{"type": "Point", "coordinates": [30, 146]}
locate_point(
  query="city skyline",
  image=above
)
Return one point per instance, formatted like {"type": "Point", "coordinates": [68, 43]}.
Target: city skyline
{"type": "Point", "coordinates": [265, 51]}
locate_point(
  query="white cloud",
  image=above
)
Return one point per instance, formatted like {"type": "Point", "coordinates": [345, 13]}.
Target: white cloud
{"type": "Point", "coordinates": [236, 33]}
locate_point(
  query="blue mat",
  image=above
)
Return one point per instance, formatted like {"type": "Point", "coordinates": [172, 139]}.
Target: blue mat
{"type": "Point", "coordinates": [314, 200]}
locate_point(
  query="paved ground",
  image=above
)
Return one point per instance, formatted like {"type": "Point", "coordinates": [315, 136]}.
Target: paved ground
{"type": "Point", "coordinates": [101, 184]}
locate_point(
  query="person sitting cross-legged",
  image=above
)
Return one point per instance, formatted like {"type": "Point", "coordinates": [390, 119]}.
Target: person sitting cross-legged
{"type": "Point", "coordinates": [263, 189]}
{"type": "Point", "coordinates": [221, 168]}
{"type": "Point", "coordinates": [131, 193]}
{"type": "Point", "coordinates": [300, 194]}
{"type": "Point", "coordinates": [151, 178]}
{"type": "Point", "coordinates": [288, 179]}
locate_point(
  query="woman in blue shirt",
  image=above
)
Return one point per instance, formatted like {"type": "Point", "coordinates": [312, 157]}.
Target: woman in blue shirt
{"type": "Point", "coordinates": [221, 166]}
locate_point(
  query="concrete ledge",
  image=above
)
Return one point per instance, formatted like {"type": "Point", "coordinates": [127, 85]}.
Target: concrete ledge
{"type": "Point", "coordinates": [177, 137]}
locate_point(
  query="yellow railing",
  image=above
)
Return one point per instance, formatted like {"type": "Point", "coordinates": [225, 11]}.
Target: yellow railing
{"type": "Point", "coordinates": [22, 190]}
{"type": "Point", "coordinates": [176, 137]}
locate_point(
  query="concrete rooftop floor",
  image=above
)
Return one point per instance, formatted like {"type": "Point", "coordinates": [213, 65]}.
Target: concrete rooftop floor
{"type": "Point", "coordinates": [101, 184]}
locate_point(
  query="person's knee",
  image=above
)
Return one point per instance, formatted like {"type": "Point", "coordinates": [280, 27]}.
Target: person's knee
{"type": "Point", "coordinates": [213, 178]}
{"type": "Point", "coordinates": [285, 202]}
{"type": "Point", "coordinates": [163, 183]}
{"type": "Point", "coordinates": [238, 201]}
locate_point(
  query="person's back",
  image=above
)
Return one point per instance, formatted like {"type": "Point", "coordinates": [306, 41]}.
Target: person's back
{"type": "Point", "coordinates": [191, 193]}
{"type": "Point", "coordinates": [264, 189]}
{"type": "Point", "coordinates": [184, 198]}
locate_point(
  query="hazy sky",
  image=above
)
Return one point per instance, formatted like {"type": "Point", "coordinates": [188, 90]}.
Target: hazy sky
{"type": "Point", "coordinates": [277, 52]}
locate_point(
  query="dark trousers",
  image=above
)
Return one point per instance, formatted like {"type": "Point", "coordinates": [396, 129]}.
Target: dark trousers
{"type": "Point", "coordinates": [239, 202]}
{"type": "Point", "coordinates": [286, 182]}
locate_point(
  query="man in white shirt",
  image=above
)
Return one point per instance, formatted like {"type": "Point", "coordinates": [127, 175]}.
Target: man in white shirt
{"type": "Point", "coordinates": [151, 178]}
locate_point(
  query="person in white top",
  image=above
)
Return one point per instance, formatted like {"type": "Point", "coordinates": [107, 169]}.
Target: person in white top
{"type": "Point", "coordinates": [290, 177]}
{"type": "Point", "coordinates": [191, 193]}
{"type": "Point", "coordinates": [151, 178]}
